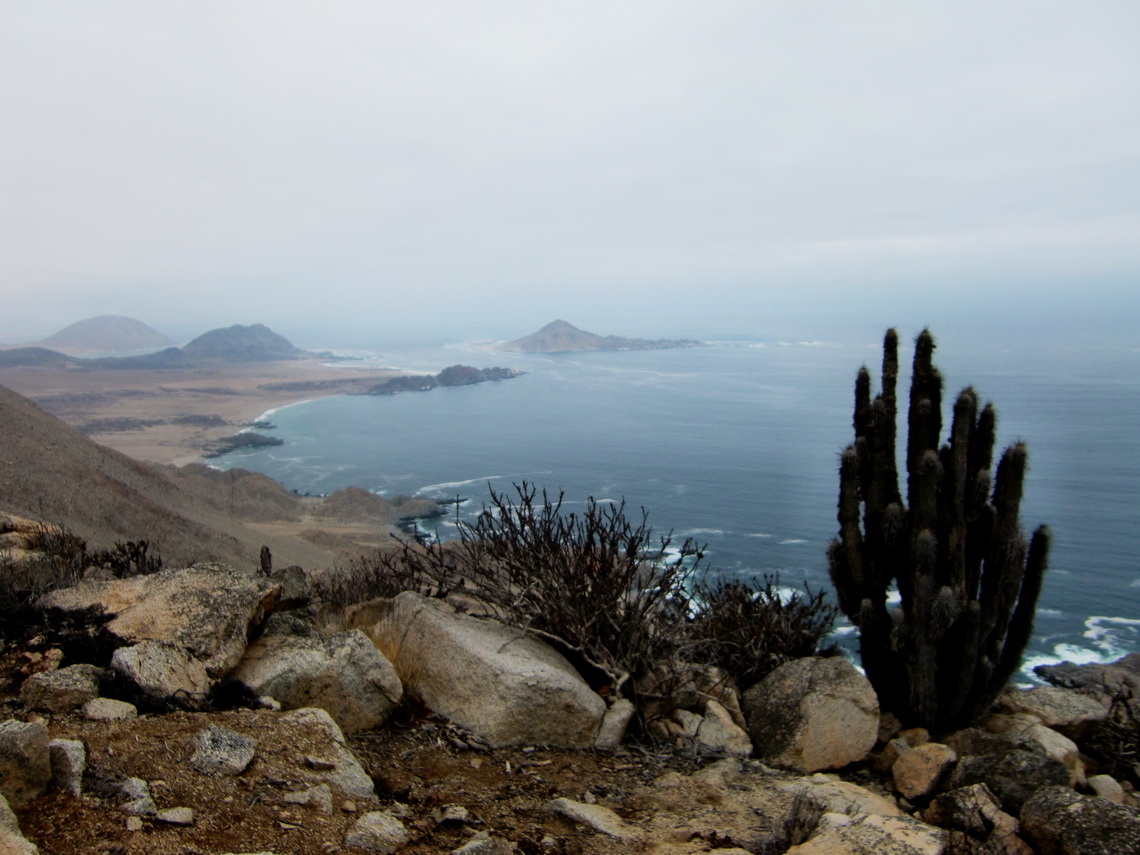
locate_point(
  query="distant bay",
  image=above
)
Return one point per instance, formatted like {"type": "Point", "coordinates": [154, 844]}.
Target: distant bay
{"type": "Point", "coordinates": [736, 445]}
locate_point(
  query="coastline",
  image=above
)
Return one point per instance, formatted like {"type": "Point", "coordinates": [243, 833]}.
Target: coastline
{"type": "Point", "coordinates": [168, 416]}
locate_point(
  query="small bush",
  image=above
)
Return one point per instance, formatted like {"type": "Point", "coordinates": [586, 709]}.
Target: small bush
{"type": "Point", "coordinates": [126, 559]}
{"type": "Point", "coordinates": [596, 584]}
{"type": "Point", "coordinates": [749, 630]}
{"type": "Point", "coordinates": [383, 573]}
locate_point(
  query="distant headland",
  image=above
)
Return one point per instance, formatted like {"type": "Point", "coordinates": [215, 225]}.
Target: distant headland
{"type": "Point", "coordinates": [562, 337]}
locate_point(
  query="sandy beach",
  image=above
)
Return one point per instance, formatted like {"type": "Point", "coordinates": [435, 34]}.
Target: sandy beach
{"type": "Point", "coordinates": [169, 416]}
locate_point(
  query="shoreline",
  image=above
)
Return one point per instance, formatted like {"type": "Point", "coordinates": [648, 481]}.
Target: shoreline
{"type": "Point", "coordinates": [169, 416]}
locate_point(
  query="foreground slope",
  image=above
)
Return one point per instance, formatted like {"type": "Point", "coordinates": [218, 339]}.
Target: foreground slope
{"type": "Point", "coordinates": [51, 472]}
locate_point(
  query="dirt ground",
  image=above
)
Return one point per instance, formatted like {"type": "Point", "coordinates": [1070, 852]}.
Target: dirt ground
{"type": "Point", "coordinates": [418, 763]}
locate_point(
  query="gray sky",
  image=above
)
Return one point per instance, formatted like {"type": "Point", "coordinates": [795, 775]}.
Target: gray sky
{"type": "Point", "coordinates": [634, 167]}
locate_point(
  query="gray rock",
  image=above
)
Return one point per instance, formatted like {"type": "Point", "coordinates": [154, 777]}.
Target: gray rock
{"type": "Point", "coordinates": [719, 734]}
{"type": "Point", "coordinates": [163, 672]}
{"type": "Point", "coordinates": [207, 610]}
{"type": "Point", "coordinates": [337, 766]}
{"type": "Point", "coordinates": [25, 761]}
{"type": "Point", "coordinates": [1065, 711]}
{"type": "Point", "coordinates": [8, 821]}
{"type": "Point", "coordinates": [343, 674]}
{"type": "Point", "coordinates": [296, 588]}
{"type": "Point", "coordinates": [1058, 821]}
{"type": "Point", "coordinates": [377, 831]}
{"type": "Point", "coordinates": [1013, 776]}
{"type": "Point", "coordinates": [918, 771]}
{"type": "Point", "coordinates": [68, 762]}
{"type": "Point", "coordinates": [874, 835]}
{"type": "Point", "coordinates": [811, 714]}
{"type": "Point", "coordinates": [484, 844]}
{"type": "Point", "coordinates": [614, 724]}
{"type": "Point", "coordinates": [842, 797]}
{"type": "Point", "coordinates": [108, 709]}
{"type": "Point", "coordinates": [1107, 787]}
{"type": "Point", "coordinates": [15, 844]}
{"type": "Point", "coordinates": [601, 819]}
{"type": "Point", "coordinates": [176, 816]}
{"type": "Point", "coordinates": [319, 797]}
{"type": "Point", "coordinates": [500, 683]}
{"type": "Point", "coordinates": [973, 810]}
{"type": "Point", "coordinates": [221, 751]}
{"type": "Point", "coordinates": [63, 690]}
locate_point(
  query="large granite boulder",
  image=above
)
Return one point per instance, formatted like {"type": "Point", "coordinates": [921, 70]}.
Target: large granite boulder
{"type": "Point", "coordinates": [25, 761]}
{"type": "Point", "coordinates": [63, 690]}
{"type": "Point", "coordinates": [1059, 821]}
{"type": "Point", "coordinates": [811, 714]}
{"type": "Point", "coordinates": [1067, 712]}
{"type": "Point", "coordinates": [873, 835]}
{"type": "Point", "coordinates": [343, 674]}
{"type": "Point", "coordinates": [206, 611]}
{"type": "Point", "coordinates": [498, 682]}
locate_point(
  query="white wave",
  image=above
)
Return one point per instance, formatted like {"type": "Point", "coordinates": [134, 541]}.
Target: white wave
{"type": "Point", "coordinates": [1050, 613]}
{"type": "Point", "coordinates": [1135, 583]}
{"type": "Point", "coordinates": [758, 534]}
{"type": "Point", "coordinates": [454, 485]}
{"type": "Point", "coordinates": [792, 540]}
{"type": "Point", "coordinates": [1109, 638]}
{"type": "Point", "coordinates": [693, 532]}
{"type": "Point", "coordinates": [272, 410]}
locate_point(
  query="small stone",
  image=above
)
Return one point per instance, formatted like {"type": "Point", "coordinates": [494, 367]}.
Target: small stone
{"type": "Point", "coordinates": [319, 764]}
{"type": "Point", "coordinates": [599, 818]}
{"type": "Point", "coordinates": [1107, 787]}
{"type": "Point", "coordinates": [140, 807]}
{"type": "Point", "coordinates": [176, 816]}
{"type": "Point", "coordinates": [221, 751]}
{"type": "Point", "coordinates": [134, 823]}
{"type": "Point", "coordinates": [25, 761]}
{"type": "Point", "coordinates": [135, 788]}
{"type": "Point", "coordinates": [108, 709]}
{"type": "Point", "coordinates": [484, 844]}
{"type": "Point", "coordinates": [319, 797]}
{"type": "Point", "coordinates": [62, 690]}
{"type": "Point", "coordinates": [68, 762]}
{"type": "Point", "coordinates": [348, 807]}
{"type": "Point", "coordinates": [451, 815]}
{"type": "Point", "coordinates": [377, 831]}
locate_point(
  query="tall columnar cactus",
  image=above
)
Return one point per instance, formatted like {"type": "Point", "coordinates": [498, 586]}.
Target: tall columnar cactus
{"type": "Point", "coordinates": [967, 579]}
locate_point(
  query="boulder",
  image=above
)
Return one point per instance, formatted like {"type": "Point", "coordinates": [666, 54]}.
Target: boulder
{"type": "Point", "coordinates": [63, 690]}
{"type": "Point", "coordinates": [15, 844]}
{"type": "Point", "coordinates": [1013, 776]}
{"type": "Point", "coordinates": [717, 733]}
{"type": "Point", "coordinates": [163, 672]}
{"type": "Point", "coordinates": [842, 797]}
{"type": "Point", "coordinates": [206, 610]}
{"type": "Point", "coordinates": [918, 771]}
{"type": "Point", "coordinates": [1107, 787]}
{"type": "Point", "coordinates": [25, 761]}
{"type": "Point", "coordinates": [1059, 821]}
{"type": "Point", "coordinates": [336, 766]}
{"type": "Point", "coordinates": [1048, 741]}
{"type": "Point", "coordinates": [973, 810]}
{"type": "Point", "coordinates": [343, 674]}
{"type": "Point", "coordinates": [498, 682]}
{"type": "Point", "coordinates": [874, 835]}
{"type": "Point", "coordinates": [1068, 712]}
{"type": "Point", "coordinates": [811, 714]}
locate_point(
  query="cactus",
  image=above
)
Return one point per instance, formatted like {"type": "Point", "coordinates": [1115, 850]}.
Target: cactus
{"type": "Point", "coordinates": [967, 579]}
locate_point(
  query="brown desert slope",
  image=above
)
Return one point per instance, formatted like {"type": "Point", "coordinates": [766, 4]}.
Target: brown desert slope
{"type": "Point", "coordinates": [563, 337]}
{"type": "Point", "coordinates": [51, 472]}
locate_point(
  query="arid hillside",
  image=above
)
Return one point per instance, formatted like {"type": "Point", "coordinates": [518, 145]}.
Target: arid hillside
{"type": "Point", "coordinates": [51, 472]}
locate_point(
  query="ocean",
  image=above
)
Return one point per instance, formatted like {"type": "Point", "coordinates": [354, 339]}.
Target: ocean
{"type": "Point", "coordinates": [736, 445]}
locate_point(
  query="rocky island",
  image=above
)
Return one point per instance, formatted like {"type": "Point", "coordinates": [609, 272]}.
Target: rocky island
{"type": "Point", "coordinates": [563, 337]}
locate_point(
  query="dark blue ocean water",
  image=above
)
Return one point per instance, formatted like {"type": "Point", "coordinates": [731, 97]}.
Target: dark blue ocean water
{"type": "Point", "coordinates": [736, 445]}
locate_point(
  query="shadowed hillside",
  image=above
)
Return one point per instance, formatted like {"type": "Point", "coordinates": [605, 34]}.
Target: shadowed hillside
{"type": "Point", "coordinates": [51, 472]}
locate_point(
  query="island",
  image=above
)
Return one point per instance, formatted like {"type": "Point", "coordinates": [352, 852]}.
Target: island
{"type": "Point", "coordinates": [563, 337]}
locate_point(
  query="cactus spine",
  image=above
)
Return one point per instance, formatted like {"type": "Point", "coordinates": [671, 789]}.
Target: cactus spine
{"type": "Point", "coordinates": [967, 579]}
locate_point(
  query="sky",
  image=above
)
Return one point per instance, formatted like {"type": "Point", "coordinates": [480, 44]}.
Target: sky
{"type": "Point", "coordinates": [391, 169]}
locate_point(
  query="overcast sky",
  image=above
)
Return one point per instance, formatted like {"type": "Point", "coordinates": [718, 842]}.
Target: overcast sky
{"type": "Point", "coordinates": [634, 167]}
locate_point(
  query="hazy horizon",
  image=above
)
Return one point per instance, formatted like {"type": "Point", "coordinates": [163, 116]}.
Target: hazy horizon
{"type": "Point", "coordinates": [441, 170]}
